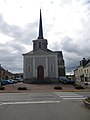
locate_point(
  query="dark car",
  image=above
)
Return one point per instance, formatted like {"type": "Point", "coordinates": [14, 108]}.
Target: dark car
{"type": "Point", "coordinates": [19, 79]}
{"type": "Point", "coordinates": [65, 80]}
{"type": "Point", "coordinates": [5, 82]}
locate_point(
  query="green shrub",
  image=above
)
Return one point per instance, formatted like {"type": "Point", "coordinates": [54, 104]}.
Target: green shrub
{"type": "Point", "coordinates": [2, 88]}
{"type": "Point", "coordinates": [79, 87]}
{"type": "Point", "coordinates": [22, 88]}
{"type": "Point", "coordinates": [58, 88]}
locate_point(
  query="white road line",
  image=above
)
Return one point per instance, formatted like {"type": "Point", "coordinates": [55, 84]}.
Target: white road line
{"type": "Point", "coordinates": [31, 102]}
{"type": "Point", "coordinates": [73, 98]}
{"type": "Point", "coordinates": [70, 96]}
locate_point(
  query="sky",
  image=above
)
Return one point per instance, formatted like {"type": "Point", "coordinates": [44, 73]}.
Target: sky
{"type": "Point", "coordinates": [66, 26]}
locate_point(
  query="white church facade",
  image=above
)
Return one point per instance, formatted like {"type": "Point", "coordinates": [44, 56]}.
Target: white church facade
{"type": "Point", "coordinates": [42, 64]}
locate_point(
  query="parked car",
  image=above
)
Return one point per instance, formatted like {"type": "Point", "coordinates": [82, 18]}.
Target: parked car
{"type": "Point", "coordinates": [19, 79]}
{"type": "Point", "coordinates": [65, 80]}
{"type": "Point", "coordinates": [5, 82]}
{"type": "Point", "coordinates": [14, 81]}
{"type": "Point", "coordinates": [86, 83]}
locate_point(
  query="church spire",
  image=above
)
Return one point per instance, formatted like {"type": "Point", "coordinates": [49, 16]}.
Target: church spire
{"type": "Point", "coordinates": [40, 27]}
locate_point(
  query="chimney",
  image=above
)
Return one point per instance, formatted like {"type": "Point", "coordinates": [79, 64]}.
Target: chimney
{"type": "Point", "coordinates": [84, 61]}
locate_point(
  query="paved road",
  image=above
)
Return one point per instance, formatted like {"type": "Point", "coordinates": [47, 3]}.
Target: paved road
{"type": "Point", "coordinates": [44, 106]}
{"type": "Point", "coordinates": [17, 97]}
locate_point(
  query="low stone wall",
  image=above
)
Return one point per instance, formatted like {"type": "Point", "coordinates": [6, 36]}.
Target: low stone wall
{"type": "Point", "coordinates": [44, 81]}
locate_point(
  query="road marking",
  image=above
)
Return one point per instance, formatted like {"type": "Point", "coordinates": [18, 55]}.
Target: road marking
{"type": "Point", "coordinates": [28, 102]}
{"type": "Point", "coordinates": [70, 96]}
{"type": "Point", "coordinates": [73, 98]}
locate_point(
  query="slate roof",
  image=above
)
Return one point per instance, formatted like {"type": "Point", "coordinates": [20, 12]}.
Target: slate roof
{"type": "Point", "coordinates": [1, 68]}
{"type": "Point", "coordinates": [87, 64]}
{"type": "Point", "coordinates": [40, 52]}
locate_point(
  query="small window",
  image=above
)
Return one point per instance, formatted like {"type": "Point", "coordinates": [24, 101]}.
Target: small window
{"type": "Point", "coordinates": [29, 68]}
{"type": "Point", "coordinates": [39, 44]}
{"type": "Point", "coordinates": [52, 68]}
{"type": "Point", "coordinates": [85, 71]}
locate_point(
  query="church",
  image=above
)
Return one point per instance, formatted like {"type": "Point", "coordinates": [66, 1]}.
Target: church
{"type": "Point", "coordinates": [42, 64]}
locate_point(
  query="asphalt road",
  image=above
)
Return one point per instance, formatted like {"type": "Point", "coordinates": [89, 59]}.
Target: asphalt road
{"type": "Point", "coordinates": [44, 106]}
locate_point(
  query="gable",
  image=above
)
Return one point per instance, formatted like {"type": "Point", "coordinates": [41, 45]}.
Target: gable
{"type": "Point", "coordinates": [41, 52]}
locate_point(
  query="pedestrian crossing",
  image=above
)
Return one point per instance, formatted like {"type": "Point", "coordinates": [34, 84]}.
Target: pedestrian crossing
{"type": "Point", "coordinates": [52, 97]}
{"type": "Point", "coordinates": [69, 96]}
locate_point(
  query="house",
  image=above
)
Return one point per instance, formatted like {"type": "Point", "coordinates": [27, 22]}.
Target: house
{"type": "Point", "coordinates": [42, 63]}
{"type": "Point", "coordinates": [18, 75]}
{"type": "Point", "coordinates": [82, 72]}
{"type": "Point", "coordinates": [5, 74]}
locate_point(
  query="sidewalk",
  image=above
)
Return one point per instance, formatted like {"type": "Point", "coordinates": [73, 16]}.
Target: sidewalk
{"type": "Point", "coordinates": [13, 88]}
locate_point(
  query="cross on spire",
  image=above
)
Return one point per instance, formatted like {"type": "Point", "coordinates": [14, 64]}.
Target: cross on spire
{"type": "Point", "coordinates": [40, 27]}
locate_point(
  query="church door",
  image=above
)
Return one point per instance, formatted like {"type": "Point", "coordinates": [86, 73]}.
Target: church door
{"type": "Point", "coordinates": [40, 72]}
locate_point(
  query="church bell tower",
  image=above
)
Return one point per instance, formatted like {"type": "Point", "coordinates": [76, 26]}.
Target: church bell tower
{"type": "Point", "coordinates": [40, 42]}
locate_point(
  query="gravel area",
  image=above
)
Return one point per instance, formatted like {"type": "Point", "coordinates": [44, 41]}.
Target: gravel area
{"type": "Point", "coordinates": [13, 88]}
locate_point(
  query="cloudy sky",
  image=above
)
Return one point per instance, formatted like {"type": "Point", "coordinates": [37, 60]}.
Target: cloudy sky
{"type": "Point", "coordinates": [66, 26]}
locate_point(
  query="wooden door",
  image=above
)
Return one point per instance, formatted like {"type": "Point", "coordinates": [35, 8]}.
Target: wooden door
{"type": "Point", "coordinates": [40, 72]}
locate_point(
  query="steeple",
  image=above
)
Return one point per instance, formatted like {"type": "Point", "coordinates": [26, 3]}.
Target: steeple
{"type": "Point", "coordinates": [40, 27]}
{"type": "Point", "coordinates": [40, 42]}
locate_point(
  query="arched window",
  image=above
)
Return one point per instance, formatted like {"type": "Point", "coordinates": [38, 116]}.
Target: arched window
{"type": "Point", "coordinates": [28, 68]}
{"type": "Point", "coordinates": [52, 67]}
{"type": "Point", "coordinates": [39, 44]}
